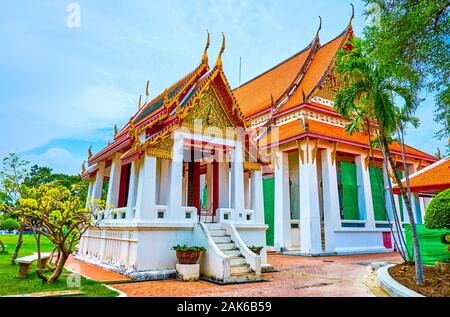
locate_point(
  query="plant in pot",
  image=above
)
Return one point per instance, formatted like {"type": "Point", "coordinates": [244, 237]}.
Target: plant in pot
{"type": "Point", "coordinates": [188, 254]}
{"type": "Point", "coordinates": [255, 249]}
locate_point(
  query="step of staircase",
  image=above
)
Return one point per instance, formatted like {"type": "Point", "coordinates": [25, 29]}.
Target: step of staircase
{"type": "Point", "coordinates": [214, 226]}
{"type": "Point", "coordinates": [232, 253]}
{"type": "Point", "coordinates": [243, 268]}
{"type": "Point", "coordinates": [243, 278]}
{"type": "Point", "coordinates": [218, 233]}
{"type": "Point", "coordinates": [226, 246]}
{"type": "Point", "coordinates": [237, 260]}
{"type": "Point", "coordinates": [223, 239]}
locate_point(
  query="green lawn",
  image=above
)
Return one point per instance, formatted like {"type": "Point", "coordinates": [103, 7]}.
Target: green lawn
{"type": "Point", "coordinates": [10, 285]}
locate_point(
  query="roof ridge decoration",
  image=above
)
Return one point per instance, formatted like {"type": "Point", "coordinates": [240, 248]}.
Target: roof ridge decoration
{"type": "Point", "coordinates": [222, 49]}
{"type": "Point", "coordinates": [205, 52]}
{"type": "Point", "coordinates": [348, 32]}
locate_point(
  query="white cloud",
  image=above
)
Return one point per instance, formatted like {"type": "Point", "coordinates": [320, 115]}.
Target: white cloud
{"type": "Point", "coordinates": [59, 159]}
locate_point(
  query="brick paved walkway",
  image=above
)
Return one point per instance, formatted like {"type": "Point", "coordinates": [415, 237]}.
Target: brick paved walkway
{"type": "Point", "coordinates": [297, 276]}
{"type": "Point", "coordinates": [94, 272]}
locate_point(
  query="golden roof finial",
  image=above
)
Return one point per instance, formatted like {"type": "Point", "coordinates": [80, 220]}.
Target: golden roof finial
{"type": "Point", "coordinates": [320, 26]}
{"type": "Point", "coordinates": [139, 102]}
{"type": "Point", "coordinates": [222, 49]}
{"type": "Point", "coordinates": [146, 88]}
{"type": "Point", "coordinates": [353, 14]}
{"type": "Point", "coordinates": [115, 130]}
{"type": "Point", "coordinates": [83, 168]}
{"type": "Point", "coordinates": [90, 152]}
{"type": "Point", "coordinates": [205, 52]}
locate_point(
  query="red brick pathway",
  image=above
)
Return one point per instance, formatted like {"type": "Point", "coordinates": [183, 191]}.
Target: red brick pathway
{"type": "Point", "coordinates": [94, 272]}
{"type": "Point", "coordinates": [298, 276]}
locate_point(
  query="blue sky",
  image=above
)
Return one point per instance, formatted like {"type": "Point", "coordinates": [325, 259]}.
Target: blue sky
{"type": "Point", "coordinates": [62, 89]}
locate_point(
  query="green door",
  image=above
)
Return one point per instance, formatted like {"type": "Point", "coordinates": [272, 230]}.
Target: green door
{"type": "Point", "coordinates": [377, 187]}
{"type": "Point", "coordinates": [269, 190]}
{"type": "Point", "coordinates": [349, 191]}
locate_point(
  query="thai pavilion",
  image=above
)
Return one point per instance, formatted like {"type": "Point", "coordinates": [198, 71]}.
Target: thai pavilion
{"type": "Point", "coordinates": [266, 164]}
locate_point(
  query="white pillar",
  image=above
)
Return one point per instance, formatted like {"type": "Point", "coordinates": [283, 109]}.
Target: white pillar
{"type": "Point", "coordinates": [114, 183]}
{"type": "Point", "coordinates": [415, 200]}
{"type": "Point", "coordinates": [146, 191]}
{"type": "Point", "coordinates": [246, 190]}
{"type": "Point", "coordinates": [331, 209]}
{"type": "Point", "coordinates": [310, 235]}
{"type": "Point", "coordinates": [164, 182]}
{"type": "Point", "coordinates": [132, 190]}
{"type": "Point", "coordinates": [257, 196]}
{"type": "Point", "coordinates": [98, 183]}
{"type": "Point", "coordinates": [176, 180]}
{"type": "Point", "coordinates": [364, 191]}
{"type": "Point", "coordinates": [237, 175]}
{"type": "Point", "coordinates": [209, 182]}
{"type": "Point", "coordinates": [90, 189]}
{"type": "Point", "coordinates": [224, 179]}
{"type": "Point", "coordinates": [282, 213]}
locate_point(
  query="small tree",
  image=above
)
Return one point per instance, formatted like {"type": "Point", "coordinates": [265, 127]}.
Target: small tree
{"type": "Point", "coordinates": [437, 215]}
{"type": "Point", "coordinates": [59, 214]}
{"type": "Point", "coordinates": [13, 172]}
{"type": "Point", "coordinates": [9, 224]}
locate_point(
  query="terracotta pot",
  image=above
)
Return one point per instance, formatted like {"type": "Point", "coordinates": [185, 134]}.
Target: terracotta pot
{"type": "Point", "coordinates": [188, 257]}
{"type": "Point", "coordinates": [256, 251]}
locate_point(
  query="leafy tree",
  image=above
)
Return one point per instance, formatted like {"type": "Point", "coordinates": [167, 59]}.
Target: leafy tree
{"type": "Point", "coordinates": [437, 215]}
{"type": "Point", "coordinates": [59, 214]}
{"type": "Point", "coordinates": [9, 224]}
{"type": "Point", "coordinates": [367, 102]}
{"type": "Point", "coordinates": [13, 172]}
{"type": "Point", "coordinates": [411, 39]}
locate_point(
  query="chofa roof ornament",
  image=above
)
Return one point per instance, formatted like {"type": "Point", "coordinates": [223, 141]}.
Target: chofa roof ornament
{"type": "Point", "coordinates": [222, 49]}
{"type": "Point", "coordinates": [205, 52]}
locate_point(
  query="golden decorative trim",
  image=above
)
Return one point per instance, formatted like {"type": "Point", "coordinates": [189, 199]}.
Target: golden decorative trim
{"type": "Point", "coordinates": [90, 152]}
{"type": "Point", "coordinates": [301, 153]}
{"type": "Point", "coordinates": [252, 166]}
{"type": "Point", "coordinates": [315, 151]}
{"type": "Point", "coordinates": [333, 154]}
{"type": "Point", "coordinates": [83, 168]}
{"type": "Point", "coordinates": [307, 150]}
{"type": "Point", "coordinates": [115, 130]}
{"type": "Point", "coordinates": [205, 52]}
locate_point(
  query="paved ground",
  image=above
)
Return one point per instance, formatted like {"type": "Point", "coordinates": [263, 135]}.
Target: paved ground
{"type": "Point", "coordinates": [298, 276]}
{"type": "Point", "coordinates": [94, 272]}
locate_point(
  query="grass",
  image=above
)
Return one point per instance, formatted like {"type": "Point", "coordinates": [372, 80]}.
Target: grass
{"type": "Point", "coordinates": [10, 285]}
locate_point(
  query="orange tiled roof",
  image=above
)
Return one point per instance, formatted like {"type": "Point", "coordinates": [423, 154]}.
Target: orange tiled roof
{"type": "Point", "coordinates": [254, 96]}
{"type": "Point", "coordinates": [435, 177]}
{"type": "Point", "coordinates": [319, 65]}
{"type": "Point", "coordinates": [294, 130]}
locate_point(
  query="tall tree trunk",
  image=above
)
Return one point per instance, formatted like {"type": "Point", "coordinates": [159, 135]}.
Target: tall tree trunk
{"type": "Point", "coordinates": [18, 246]}
{"type": "Point", "coordinates": [420, 280]}
{"type": "Point", "coordinates": [59, 267]}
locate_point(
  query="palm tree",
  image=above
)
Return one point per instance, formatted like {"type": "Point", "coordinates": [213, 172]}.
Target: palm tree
{"type": "Point", "coordinates": [367, 101]}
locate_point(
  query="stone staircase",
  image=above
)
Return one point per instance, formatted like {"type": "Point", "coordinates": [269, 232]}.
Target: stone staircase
{"type": "Point", "coordinates": [240, 270]}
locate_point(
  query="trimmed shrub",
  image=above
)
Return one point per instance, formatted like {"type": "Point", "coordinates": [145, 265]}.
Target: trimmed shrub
{"type": "Point", "coordinates": [9, 224]}
{"type": "Point", "coordinates": [437, 215]}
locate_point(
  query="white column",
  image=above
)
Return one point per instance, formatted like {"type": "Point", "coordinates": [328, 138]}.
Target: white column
{"type": "Point", "coordinates": [364, 192]}
{"type": "Point", "coordinates": [282, 213]}
{"type": "Point", "coordinates": [224, 179]}
{"type": "Point", "coordinates": [132, 190]}
{"type": "Point", "coordinates": [90, 188]}
{"type": "Point", "coordinates": [331, 210]}
{"type": "Point", "coordinates": [415, 200]}
{"type": "Point", "coordinates": [164, 182]}
{"type": "Point", "coordinates": [257, 196]}
{"type": "Point", "coordinates": [246, 190]}
{"type": "Point", "coordinates": [237, 175]}
{"type": "Point", "coordinates": [98, 183]}
{"type": "Point", "coordinates": [114, 183]}
{"type": "Point", "coordinates": [176, 180]}
{"type": "Point", "coordinates": [310, 236]}
{"type": "Point", "coordinates": [209, 182]}
{"type": "Point", "coordinates": [146, 191]}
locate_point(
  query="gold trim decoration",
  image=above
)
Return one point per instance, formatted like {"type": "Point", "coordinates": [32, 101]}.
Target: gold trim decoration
{"type": "Point", "coordinates": [116, 131]}
{"type": "Point", "coordinates": [333, 154]}
{"type": "Point", "coordinates": [301, 153]}
{"type": "Point", "coordinates": [90, 152]}
{"type": "Point", "coordinates": [252, 166]}
{"type": "Point", "coordinates": [83, 168]}
{"type": "Point", "coordinates": [205, 52]}
{"type": "Point", "coordinates": [420, 165]}
{"type": "Point", "coordinates": [307, 150]}
{"type": "Point", "coordinates": [139, 102]}
{"type": "Point", "coordinates": [367, 159]}
{"type": "Point", "coordinates": [222, 49]}
{"type": "Point", "coordinates": [315, 151]}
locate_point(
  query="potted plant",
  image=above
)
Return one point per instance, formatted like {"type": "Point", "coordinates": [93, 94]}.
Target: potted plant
{"type": "Point", "coordinates": [188, 254]}
{"type": "Point", "coordinates": [255, 249]}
